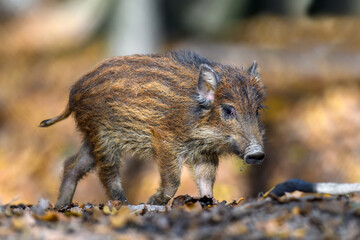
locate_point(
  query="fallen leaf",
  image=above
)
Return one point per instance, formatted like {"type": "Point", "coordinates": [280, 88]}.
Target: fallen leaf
{"type": "Point", "coordinates": [235, 202]}
{"type": "Point", "coordinates": [237, 228]}
{"type": "Point", "coordinates": [299, 233]}
{"type": "Point", "coordinates": [296, 210]}
{"type": "Point", "coordinates": [50, 216]}
{"type": "Point", "coordinates": [74, 211]}
{"type": "Point", "coordinates": [122, 217]}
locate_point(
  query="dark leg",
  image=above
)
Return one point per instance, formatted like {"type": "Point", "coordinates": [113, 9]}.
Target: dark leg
{"type": "Point", "coordinates": [110, 177]}
{"type": "Point", "coordinates": [75, 168]}
{"type": "Point", "coordinates": [170, 173]}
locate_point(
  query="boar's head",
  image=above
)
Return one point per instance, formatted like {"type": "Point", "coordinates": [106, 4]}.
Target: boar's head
{"type": "Point", "coordinates": [231, 100]}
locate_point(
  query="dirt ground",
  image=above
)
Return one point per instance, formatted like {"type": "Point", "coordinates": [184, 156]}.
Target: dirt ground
{"type": "Point", "coordinates": [293, 216]}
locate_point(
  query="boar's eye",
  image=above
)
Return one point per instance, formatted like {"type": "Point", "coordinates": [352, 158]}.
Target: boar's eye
{"type": "Point", "coordinates": [228, 112]}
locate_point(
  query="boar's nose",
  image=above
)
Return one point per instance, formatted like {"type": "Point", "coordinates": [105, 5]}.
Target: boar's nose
{"type": "Point", "coordinates": [255, 158]}
{"type": "Point", "coordinates": [254, 155]}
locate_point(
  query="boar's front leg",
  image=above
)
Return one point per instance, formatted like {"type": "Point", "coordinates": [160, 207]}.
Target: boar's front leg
{"type": "Point", "coordinates": [74, 169]}
{"type": "Point", "coordinates": [205, 172]}
{"type": "Point", "coordinates": [170, 171]}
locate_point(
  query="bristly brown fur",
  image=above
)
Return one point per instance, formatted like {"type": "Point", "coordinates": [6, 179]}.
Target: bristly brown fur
{"type": "Point", "coordinates": [148, 105]}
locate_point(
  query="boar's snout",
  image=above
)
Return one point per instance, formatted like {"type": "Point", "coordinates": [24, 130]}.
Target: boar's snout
{"type": "Point", "coordinates": [254, 154]}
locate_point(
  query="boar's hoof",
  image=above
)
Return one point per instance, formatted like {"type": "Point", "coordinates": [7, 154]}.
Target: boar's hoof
{"type": "Point", "coordinates": [60, 205]}
{"type": "Point", "coordinates": [158, 199]}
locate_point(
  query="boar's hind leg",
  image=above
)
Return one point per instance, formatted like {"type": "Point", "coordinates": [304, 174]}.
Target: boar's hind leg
{"type": "Point", "coordinates": [74, 169]}
{"type": "Point", "coordinates": [110, 177]}
{"type": "Point", "coordinates": [170, 181]}
{"type": "Point", "coordinates": [205, 172]}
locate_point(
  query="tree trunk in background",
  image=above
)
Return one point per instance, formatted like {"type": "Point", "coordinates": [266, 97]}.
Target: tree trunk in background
{"type": "Point", "coordinates": [135, 28]}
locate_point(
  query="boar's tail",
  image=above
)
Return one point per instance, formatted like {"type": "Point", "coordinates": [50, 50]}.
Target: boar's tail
{"type": "Point", "coordinates": [51, 121]}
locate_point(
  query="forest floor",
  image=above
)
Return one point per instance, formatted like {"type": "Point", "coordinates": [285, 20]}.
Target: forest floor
{"type": "Point", "coordinates": [292, 216]}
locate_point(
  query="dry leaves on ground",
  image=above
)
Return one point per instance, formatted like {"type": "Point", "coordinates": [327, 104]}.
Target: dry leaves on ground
{"type": "Point", "coordinates": [295, 215]}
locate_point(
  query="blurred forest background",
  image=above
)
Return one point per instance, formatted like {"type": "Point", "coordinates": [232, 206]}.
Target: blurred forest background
{"type": "Point", "coordinates": [309, 57]}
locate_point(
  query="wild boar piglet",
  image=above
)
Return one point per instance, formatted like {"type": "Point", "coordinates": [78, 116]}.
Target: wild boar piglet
{"type": "Point", "coordinates": [175, 108]}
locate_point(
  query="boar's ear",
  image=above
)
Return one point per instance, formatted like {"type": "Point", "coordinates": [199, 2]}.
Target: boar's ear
{"type": "Point", "coordinates": [253, 71]}
{"type": "Point", "coordinates": [208, 81]}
